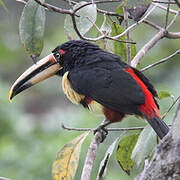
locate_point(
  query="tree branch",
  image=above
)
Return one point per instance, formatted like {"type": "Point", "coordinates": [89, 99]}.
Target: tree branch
{"type": "Point", "coordinates": [21, 1]}
{"type": "Point", "coordinates": [120, 15]}
{"type": "Point", "coordinates": [177, 2]}
{"type": "Point", "coordinates": [90, 157]}
{"type": "Point", "coordinates": [108, 129]}
{"type": "Point", "coordinates": [152, 24]}
{"type": "Point", "coordinates": [96, 2]}
{"type": "Point", "coordinates": [135, 24]}
{"type": "Point", "coordinates": [165, 163]}
{"type": "Point", "coordinates": [172, 35]}
{"type": "Point", "coordinates": [102, 36]}
{"type": "Point", "coordinates": [164, 2]}
{"type": "Point", "coordinates": [146, 47]}
{"type": "Point", "coordinates": [54, 8]}
{"type": "Point", "coordinates": [165, 8]}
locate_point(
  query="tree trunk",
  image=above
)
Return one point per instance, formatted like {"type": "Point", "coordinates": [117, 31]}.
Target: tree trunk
{"type": "Point", "coordinates": [165, 164]}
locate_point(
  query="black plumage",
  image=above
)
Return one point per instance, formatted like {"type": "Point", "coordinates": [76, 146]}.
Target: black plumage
{"type": "Point", "coordinates": [109, 85]}
{"type": "Point", "coordinates": [101, 76]}
{"type": "Point", "coordinates": [98, 80]}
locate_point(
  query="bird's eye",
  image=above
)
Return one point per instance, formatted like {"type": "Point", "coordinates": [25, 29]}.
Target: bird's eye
{"type": "Point", "coordinates": [58, 55]}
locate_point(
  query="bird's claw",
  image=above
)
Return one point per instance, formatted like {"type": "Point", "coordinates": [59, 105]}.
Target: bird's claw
{"type": "Point", "coordinates": [102, 130]}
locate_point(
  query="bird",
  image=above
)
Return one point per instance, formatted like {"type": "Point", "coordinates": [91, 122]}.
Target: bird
{"type": "Point", "coordinates": [99, 81]}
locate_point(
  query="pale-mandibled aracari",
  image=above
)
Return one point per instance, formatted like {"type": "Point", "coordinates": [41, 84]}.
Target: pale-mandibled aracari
{"type": "Point", "coordinates": [98, 80]}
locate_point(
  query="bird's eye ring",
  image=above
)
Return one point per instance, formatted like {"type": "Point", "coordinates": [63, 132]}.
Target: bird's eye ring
{"type": "Point", "coordinates": [58, 55]}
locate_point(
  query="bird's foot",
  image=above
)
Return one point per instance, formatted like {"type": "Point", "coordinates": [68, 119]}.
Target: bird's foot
{"type": "Point", "coordinates": [101, 128]}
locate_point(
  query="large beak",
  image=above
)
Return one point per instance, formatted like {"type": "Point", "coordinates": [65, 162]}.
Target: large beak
{"type": "Point", "coordinates": [40, 71]}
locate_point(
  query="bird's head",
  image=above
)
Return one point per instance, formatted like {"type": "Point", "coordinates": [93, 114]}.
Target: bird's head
{"type": "Point", "coordinates": [62, 59]}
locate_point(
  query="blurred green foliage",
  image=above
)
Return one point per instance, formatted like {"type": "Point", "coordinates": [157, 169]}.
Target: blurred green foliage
{"type": "Point", "coordinates": [30, 127]}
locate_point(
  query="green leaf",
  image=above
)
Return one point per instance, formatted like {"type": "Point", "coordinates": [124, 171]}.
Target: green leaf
{"type": "Point", "coordinates": [87, 16]}
{"type": "Point", "coordinates": [105, 27]}
{"type": "Point", "coordinates": [66, 163]}
{"type": "Point", "coordinates": [144, 146]}
{"type": "Point", "coordinates": [3, 5]}
{"type": "Point", "coordinates": [31, 28]}
{"type": "Point", "coordinates": [120, 47]}
{"type": "Point", "coordinates": [164, 94]}
{"type": "Point", "coordinates": [124, 152]}
{"type": "Point", "coordinates": [120, 11]}
{"type": "Point", "coordinates": [104, 162]}
{"type": "Point", "coordinates": [133, 50]}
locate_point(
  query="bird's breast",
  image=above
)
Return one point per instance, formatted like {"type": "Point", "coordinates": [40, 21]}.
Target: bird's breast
{"type": "Point", "coordinates": [89, 103]}
{"type": "Point", "coordinates": [77, 98]}
{"type": "Point", "coordinates": [72, 95]}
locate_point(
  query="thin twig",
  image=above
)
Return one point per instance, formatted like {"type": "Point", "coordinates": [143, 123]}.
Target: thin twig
{"type": "Point", "coordinates": [167, 15]}
{"type": "Point", "coordinates": [135, 24]}
{"type": "Point", "coordinates": [109, 37]}
{"type": "Point", "coordinates": [72, 13]}
{"type": "Point", "coordinates": [152, 24]}
{"type": "Point", "coordinates": [164, 2]}
{"type": "Point", "coordinates": [130, 17]}
{"type": "Point", "coordinates": [25, 2]}
{"type": "Point", "coordinates": [109, 13]}
{"type": "Point", "coordinates": [95, 2]}
{"type": "Point", "coordinates": [165, 114]}
{"type": "Point", "coordinates": [102, 36]}
{"type": "Point", "coordinates": [165, 8]}
{"type": "Point", "coordinates": [119, 40]}
{"type": "Point", "coordinates": [128, 46]}
{"type": "Point", "coordinates": [173, 20]}
{"type": "Point", "coordinates": [108, 129]}
{"type": "Point", "coordinates": [161, 61]}
{"type": "Point", "coordinates": [21, 1]}
{"type": "Point", "coordinates": [54, 8]}
{"type": "Point", "coordinates": [70, 3]}
{"type": "Point", "coordinates": [94, 24]}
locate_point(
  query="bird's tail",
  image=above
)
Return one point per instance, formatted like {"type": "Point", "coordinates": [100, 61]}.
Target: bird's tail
{"type": "Point", "coordinates": [159, 126]}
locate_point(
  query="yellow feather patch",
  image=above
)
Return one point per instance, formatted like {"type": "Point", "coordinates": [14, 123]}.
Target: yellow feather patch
{"type": "Point", "coordinates": [95, 107]}
{"type": "Point", "coordinates": [73, 96]}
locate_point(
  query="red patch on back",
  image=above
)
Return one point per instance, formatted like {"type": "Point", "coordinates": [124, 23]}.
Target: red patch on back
{"type": "Point", "coordinates": [62, 51]}
{"type": "Point", "coordinates": [149, 108]}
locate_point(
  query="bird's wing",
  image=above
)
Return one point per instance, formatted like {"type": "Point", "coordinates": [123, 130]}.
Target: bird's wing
{"type": "Point", "coordinates": [109, 84]}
